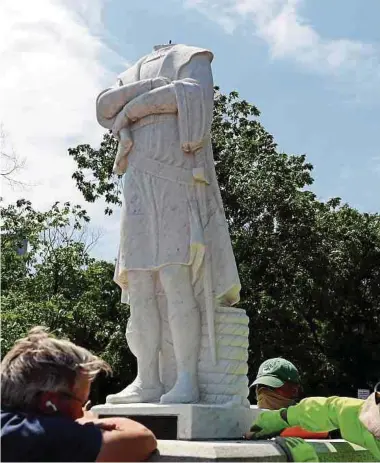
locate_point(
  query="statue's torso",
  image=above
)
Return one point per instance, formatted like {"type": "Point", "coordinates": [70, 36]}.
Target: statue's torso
{"type": "Point", "coordinates": [151, 65]}
{"type": "Point", "coordinates": [157, 137]}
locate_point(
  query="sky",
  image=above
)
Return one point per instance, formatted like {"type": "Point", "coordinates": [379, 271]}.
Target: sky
{"type": "Point", "coordinates": [311, 67]}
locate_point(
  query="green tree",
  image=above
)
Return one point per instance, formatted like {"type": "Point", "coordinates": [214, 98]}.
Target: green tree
{"type": "Point", "coordinates": [310, 270]}
{"type": "Point", "coordinates": [56, 283]}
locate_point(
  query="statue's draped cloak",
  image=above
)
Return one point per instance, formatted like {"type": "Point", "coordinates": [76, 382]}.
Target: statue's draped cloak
{"type": "Point", "coordinates": [163, 221]}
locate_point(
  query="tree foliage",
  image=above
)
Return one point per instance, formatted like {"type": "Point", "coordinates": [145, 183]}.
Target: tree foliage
{"type": "Point", "coordinates": [53, 281]}
{"type": "Point", "coordinates": [11, 162]}
{"type": "Point", "coordinates": [310, 270]}
{"type": "Point", "coordinates": [94, 176]}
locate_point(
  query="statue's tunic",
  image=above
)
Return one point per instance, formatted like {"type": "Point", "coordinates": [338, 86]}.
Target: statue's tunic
{"type": "Point", "coordinates": [163, 221]}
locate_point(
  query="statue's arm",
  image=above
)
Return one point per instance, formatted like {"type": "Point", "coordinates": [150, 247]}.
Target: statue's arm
{"type": "Point", "coordinates": [199, 69]}
{"type": "Point", "coordinates": [163, 100]}
{"type": "Point", "coordinates": [110, 102]}
{"type": "Point", "coordinates": [159, 101]}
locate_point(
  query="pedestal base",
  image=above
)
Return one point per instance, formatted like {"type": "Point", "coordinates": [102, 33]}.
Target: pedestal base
{"type": "Point", "coordinates": [250, 451]}
{"type": "Point", "coordinates": [185, 421]}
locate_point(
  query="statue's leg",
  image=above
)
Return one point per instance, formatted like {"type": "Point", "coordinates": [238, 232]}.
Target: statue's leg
{"type": "Point", "coordinates": [185, 327]}
{"type": "Point", "coordinates": [143, 336]}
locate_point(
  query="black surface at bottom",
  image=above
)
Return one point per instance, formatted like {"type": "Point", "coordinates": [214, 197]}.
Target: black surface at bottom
{"type": "Point", "coordinates": [163, 427]}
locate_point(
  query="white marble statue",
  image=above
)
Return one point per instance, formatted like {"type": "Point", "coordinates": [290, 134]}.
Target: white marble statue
{"type": "Point", "coordinates": [175, 266]}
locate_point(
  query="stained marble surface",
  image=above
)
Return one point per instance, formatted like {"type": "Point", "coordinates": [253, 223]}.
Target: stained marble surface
{"type": "Point", "coordinates": [175, 266]}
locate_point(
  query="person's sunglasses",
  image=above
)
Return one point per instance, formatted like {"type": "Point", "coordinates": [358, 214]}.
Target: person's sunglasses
{"type": "Point", "coordinates": [73, 397]}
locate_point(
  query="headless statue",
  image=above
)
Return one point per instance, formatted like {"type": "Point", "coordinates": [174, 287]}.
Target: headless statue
{"type": "Point", "coordinates": [175, 250]}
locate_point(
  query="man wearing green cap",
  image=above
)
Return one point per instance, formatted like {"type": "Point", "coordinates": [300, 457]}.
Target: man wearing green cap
{"type": "Point", "coordinates": [277, 384]}
{"type": "Point", "coordinates": [358, 421]}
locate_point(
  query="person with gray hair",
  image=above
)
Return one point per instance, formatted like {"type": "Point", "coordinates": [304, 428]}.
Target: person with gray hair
{"type": "Point", "coordinates": [45, 385]}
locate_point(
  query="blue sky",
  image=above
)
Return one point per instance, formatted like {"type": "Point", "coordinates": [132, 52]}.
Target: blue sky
{"type": "Point", "coordinates": [323, 114]}
{"type": "Point", "coordinates": [311, 66]}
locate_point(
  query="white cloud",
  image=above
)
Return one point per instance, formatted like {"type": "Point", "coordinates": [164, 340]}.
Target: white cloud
{"type": "Point", "coordinates": [289, 36]}
{"type": "Point", "coordinates": [52, 55]}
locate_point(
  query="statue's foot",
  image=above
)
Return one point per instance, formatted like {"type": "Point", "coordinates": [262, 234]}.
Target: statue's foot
{"type": "Point", "coordinates": [135, 393]}
{"type": "Point", "coordinates": [184, 391]}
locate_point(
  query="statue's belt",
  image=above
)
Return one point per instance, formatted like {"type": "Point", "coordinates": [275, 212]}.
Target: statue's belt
{"type": "Point", "coordinates": [152, 119]}
{"type": "Point", "coordinates": [167, 172]}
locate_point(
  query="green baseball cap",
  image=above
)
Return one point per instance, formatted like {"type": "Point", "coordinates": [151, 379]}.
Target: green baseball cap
{"type": "Point", "coordinates": [276, 372]}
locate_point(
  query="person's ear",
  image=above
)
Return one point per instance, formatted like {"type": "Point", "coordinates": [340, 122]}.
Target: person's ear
{"type": "Point", "coordinates": [51, 403]}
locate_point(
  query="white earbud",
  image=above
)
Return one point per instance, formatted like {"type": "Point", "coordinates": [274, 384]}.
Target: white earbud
{"type": "Point", "coordinates": [50, 404]}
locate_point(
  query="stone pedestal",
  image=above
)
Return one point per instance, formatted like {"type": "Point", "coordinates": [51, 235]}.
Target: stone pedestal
{"type": "Point", "coordinates": [186, 421]}
{"type": "Point", "coordinates": [249, 451]}
{"type": "Point", "coordinates": [227, 451]}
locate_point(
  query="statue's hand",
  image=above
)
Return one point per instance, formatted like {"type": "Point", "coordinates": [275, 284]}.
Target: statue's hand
{"type": "Point", "coordinates": [160, 82]}
{"type": "Point", "coordinates": [125, 144]}
{"type": "Point", "coordinates": [161, 100]}
{"type": "Point", "coordinates": [121, 121]}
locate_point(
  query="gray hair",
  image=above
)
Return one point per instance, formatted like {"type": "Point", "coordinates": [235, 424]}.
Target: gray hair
{"type": "Point", "coordinates": [42, 363]}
